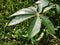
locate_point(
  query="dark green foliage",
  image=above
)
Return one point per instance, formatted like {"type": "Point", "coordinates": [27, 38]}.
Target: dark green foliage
{"type": "Point", "coordinates": [48, 24]}
{"type": "Point", "coordinates": [18, 34]}
{"type": "Point", "coordinates": [7, 7]}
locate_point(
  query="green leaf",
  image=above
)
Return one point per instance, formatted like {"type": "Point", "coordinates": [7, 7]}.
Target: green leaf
{"type": "Point", "coordinates": [33, 9]}
{"type": "Point", "coordinates": [42, 4]}
{"type": "Point", "coordinates": [19, 19]}
{"type": "Point", "coordinates": [34, 27]}
{"type": "Point", "coordinates": [24, 11]}
{"type": "Point", "coordinates": [48, 24]}
{"type": "Point", "coordinates": [58, 9]}
{"type": "Point", "coordinates": [18, 33]}
{"type": "Point", "coordinates": [48, 8]}
{"type": "Point", "coordinates": [41, 1]}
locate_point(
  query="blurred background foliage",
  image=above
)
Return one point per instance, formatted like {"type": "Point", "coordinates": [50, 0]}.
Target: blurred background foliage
{"type": "Point", "coordinates": [14, 35]}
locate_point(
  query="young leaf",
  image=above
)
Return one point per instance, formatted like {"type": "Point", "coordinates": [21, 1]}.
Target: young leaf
{"type": "Point", "coordinates": [42, 4]}
{"type": "Point", "coordinates": [48, 24]}
{"type": "Point", "coordinates": [48, 8]}
{"type": "Point", "coordinates": [19, 19]}
{"type": "Point", "coordinates": [58, 9]}
{"type": "Point", "coordinates": [24, 11]}
{"type": "Point", "coordinates": [34, 27]}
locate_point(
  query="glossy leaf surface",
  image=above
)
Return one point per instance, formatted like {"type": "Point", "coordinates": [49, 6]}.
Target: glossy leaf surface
{"type": "Point", "coordinates": [25, 11]}
{"type": "Point", "coordinates": [19, 19]}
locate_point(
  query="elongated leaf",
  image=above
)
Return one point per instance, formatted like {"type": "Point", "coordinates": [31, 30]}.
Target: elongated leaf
{"type": "Point", "coordinates": [19, 19]}
{"type": "Point", "coordinates": [41, 1]}
{"type": "Point", "coordinates": [58, 9]}
{"type": "Point", "coordinates": [34, 27]}
{"type": "Point", "coordinates": [42, 4]}
{"type": "Point", "coordinates": [48, 8]}
{"type": "Point", "coordinates": [48, 24]}
{"type": "Point", "coordinates": [33, 9]}
{"type": "Point", "coordinates": [24, 11]}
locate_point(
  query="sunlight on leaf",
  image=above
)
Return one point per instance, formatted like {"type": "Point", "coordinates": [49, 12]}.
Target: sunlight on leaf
{"type": "Point", "coordinates": [48, 8]}
{"type": "Point", "coordinates": [24, 11]}
{"type": "Point", "coordinates": [19, 19]}
{"type": "Point", "coordinates": [34, 27]}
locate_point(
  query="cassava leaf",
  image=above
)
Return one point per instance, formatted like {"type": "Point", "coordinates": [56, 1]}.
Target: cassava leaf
{"type": "Point", "coordinates": [24, 11]}
{"type": "Point", "coordinates": [48, 8]}
{"type": "Point", "coordinates": [48, 24]}
{"type": "Point", "coordinates": [33, 9]}
{"type": "Point", "coordinates": [34, 27]}
{"type": "Point", "coordinates": [41, 1]}
{"type": "Point", "coordinates": [41, 5]}
{"type": "Point", "coordinates": [19, 19]}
